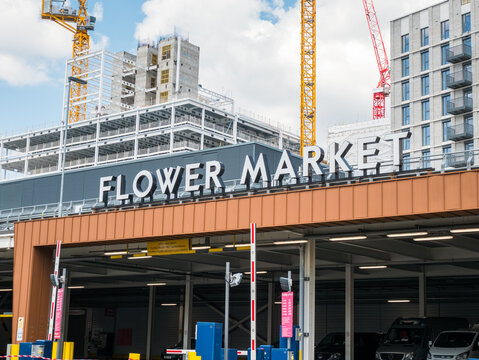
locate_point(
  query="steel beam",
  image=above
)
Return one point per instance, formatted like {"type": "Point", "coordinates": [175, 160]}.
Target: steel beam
{"type": "Point", "coordinates": [151, 318]}
{"type": "Point", "coordinates": [309, 299]}
{"type": "Point", "coordinates": [349, 313]}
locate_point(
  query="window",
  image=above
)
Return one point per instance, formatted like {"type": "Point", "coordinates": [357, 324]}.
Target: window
{"type": "Point", "coordinates": [445, 75]}
{"type": "Point", "coordinates": [445, 101]}
{"type": "Point", "coordinates": [166, 52]}
{"type": "Point", "coordinates": [425, 110]}
{"type": "Point", "coordinates": [406, 162]}
{"type": "Point", "coordinates": [468, 93]}
{"type": "Point", "coordinates": [405, 43]}
{"type": "Point", "coordinates": [405, 67]}
{"type": "Point", "coordinates": [165, 76]}
{"type": "Point", "coordinates": [406, 115]}
{"type": "Point", "coordinates": [466, 22]}
{"type": "Point", "coordinates": [444, 53]}
{"type": "Point", "coordinates": [426, 158]}
{"type": "Point", "coordinates": [468, 119]}
{"type": "Point", "coordinates": [445, 30]}
{"type": "Point", "coordinates": [426, 135]}
{"type": "Point", "coordinates": [425, 60]}
{"type": "Point", "coordinates": [405, 91]}
{"type": "Point", "coordinates": [464, 2]}
{"type": "Point", "coordinates": [445, 130]}
{"type": "Point", "coordinates": [154, 59]}
{"type": "Point", "coordinates": [425, 37]}
{"type": "Point", "coordinates": [163, 96]}
{"type": "Point", "coordinates": [446, 149]}
{"type": "Point", "coordinates": [406, 143]}
{"type": "Point", "coordinates": [425, 85]}
{"type": "Point", "coordinates": [153, 82]}
{"type": "Point", "coordinates": [467, 41]}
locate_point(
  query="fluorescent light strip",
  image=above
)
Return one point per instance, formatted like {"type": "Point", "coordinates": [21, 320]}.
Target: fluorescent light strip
{"type": "Point", "coordinates": [139, 257]}
{"type": "Point", "coordinates": [346, 238]}
{"type": "Point", "coordinates": [434, 238]}
{"type": "Point", "coordinates": [290, 242]}
{"type": "Point", "coordinates": [277, 302]}
{"type": "Point", "coordinates": [462, 231]}
{"type": "Point", "coordinates": [76, 287]}
{"type": "Point", "coordinates": [168, 304]}
{"type": "Point", "coordinates": [373, 267]}
{"type": "Point", "coordinates": [201, 247]}
{"type": "Point", "coordinates": [114, 253]}
{"type": "Point", "coordinates": [156, 284]}
{"type": "Point", "coordinates": [257, 272]}
{"type": "Point", "coordinates": [409, 234]}
{"type": "Point", "coordinates": [399, 301]}
{"type": "Point", "coordinates": [5, 290]}
{"type": "Point", "coordinates": [236, 245]}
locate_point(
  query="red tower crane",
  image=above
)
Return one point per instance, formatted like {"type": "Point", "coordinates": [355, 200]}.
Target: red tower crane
{"type": "Point", "coordinates": [384, 85]}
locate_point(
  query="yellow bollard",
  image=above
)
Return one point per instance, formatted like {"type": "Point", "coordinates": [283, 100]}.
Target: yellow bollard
{"type": "Point", "coordinates": [54, 350]}
{"type": "Point", "coordinates": [193, 356]}
{"type": "Point", "coordinates": [68, 350]}
{"type": "Point", "coordinates": [134, 356]}
{"type": "Point", "coordinates": [14, 350]}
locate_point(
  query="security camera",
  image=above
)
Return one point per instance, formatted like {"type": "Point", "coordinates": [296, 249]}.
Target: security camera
{"type": "Point", "coordinates": [286, 284]}
{"type": "Point", "coordinates": [236, 279]}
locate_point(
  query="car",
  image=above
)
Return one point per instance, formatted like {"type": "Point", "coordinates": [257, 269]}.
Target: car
{"type": "Point", "coordinates": [458, 345]}
{"type": "Point", "coordinates": [408, 338]}
{"type": "Point", "coordinates": [332, 346]}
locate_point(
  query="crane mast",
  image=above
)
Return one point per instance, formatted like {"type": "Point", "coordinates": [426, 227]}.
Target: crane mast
{"type": "Point", "coordinates": [308, 74]}
{"type": "Point", "coordinates": [56, 11]}
{"type": "Point", "coordinates": [384, 84]}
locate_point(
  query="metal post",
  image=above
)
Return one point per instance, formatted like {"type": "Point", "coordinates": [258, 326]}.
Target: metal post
{"type": "Point", "coordinates": [290, 289]}
{"type": "Point", "coordinates": [178, 67]}
{"type": "Point", "coordinates": [64, 150]}
{"type": "Point", "coordinates": [27, 151]}
{"type": "Point", "coordinates": [349, 313]}
{"type": "Point", "coordinates": [422, 294]}
{"type": "Point", "coordinates": [301, 299]}
{"type": "Point", "coordinates": [269, 324]}
{"type": "Point", "coordinates": [137, 129]}
{"type": "Point", "coordinates": [187, 315]}
{"type": "Point", "coordinates": [309, 303]}
{"type": "Point", "coordinates": [253, 290]}
{"type": "Point", "coordinates": [227, 307]}
{"type": "Point", "coordinates": [151, 317]}
{"type": "Point", "coordinates": [172, 124]}
{"type": "Point", "coordinates": [202, 140]}
{"type": "Point", "coordinates": [64, 322]}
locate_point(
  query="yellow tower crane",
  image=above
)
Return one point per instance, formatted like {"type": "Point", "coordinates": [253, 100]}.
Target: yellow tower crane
{"type": "Point", "coordinates": [56, 11]}
{"type": "Point", "coordinates": [308, 73]}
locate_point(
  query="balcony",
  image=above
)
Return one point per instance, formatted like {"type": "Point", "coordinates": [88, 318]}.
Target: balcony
{"type": "Point", "coordinates": [459, 79]}
{"type": "Point", "coordinates": [458, 53]}
{"type": "Point", "coordinates": [459, 160]}
{"type": "Point", "coordinates": [460, 132]}
{"type": "Point", "coordinates": [460, 105]}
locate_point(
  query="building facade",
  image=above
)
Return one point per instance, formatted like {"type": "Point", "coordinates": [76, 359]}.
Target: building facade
{"type": "Point", "coordinates": [434, 91]}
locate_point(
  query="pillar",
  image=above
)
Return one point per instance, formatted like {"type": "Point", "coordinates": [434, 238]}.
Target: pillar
{"type": "Point", "coordinates": [151, 320]}
{"type": "Point", "coordinates": [349, 313]}
{"type": "Point", "coordinates": [269, 336]}
{"type": "Point", "coordinates": [137, 130]}
{"type": "Point", "coordinates": [309, 299]}
{"type": "Point", "coordinates": [422, 294]}
{"type": "Point", "coordinates": [172, 125]}
{"type": "Point", "coordinates": [202, 140]}
{"type": "Point", "coordinates": [187, 313]}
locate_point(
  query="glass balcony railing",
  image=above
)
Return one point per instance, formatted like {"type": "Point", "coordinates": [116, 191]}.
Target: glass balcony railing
{"type": "Point", "coordinates": [459, 160]}
{"type": "Point", "coordinates": [459, 105]}
{"type": "Point", "coordinates": [459, 79]}
{"type": "Point", "coordinates": [458, 53]}
{"type": "Point", "coordinates": [460, 132]}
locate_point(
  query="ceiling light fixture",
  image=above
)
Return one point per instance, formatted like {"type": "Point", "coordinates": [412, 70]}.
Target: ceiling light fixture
{"type": "Point", "coordinates": [115, 253]}
{"type": "Point", "coordinates": [168, 304]}
{"type": "Point", "coordinates": [257, 272]}
{"type": "Point", "coordinates": [434, 238]}
{"type": "Point", "coordinates": [76, 287]}
{"type": "Point", "coordinates": [399, 301]}
{"type": "Point", "coordinates": [236, 245]}
{"type": "Point", "coordinates": [156, 284]}
{"type": "Point", "coordinates": [200, 247]}
{"type": "Point", "coordinates": [462, 231]}
{"type": "Point", "coordinates": [277, 303]}
{"type": "Point", "coordinates": [409, 234]}
{"type": "Point", "coordinates": [290, 242]}
{"type": "Point", "coordinates": [373, 267]}
{"type": "Point", "coordinates": [136, 257]}
{"type": "Point", "coordinates": [346, 238]}
{"type": "Point", "coordinates": [5, 290]}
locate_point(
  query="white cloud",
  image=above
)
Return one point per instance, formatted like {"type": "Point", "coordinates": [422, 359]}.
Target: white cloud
{"type": "Point", "coordinates": [20, 73]}
{"type": "Point", "coordinates": [98, 11]}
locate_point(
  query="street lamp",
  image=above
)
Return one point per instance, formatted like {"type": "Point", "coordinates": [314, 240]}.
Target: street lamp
{"type": "Point", "coordinates": [64, 150]}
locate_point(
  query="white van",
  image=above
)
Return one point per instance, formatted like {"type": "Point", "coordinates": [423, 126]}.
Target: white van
{"type": "Point", "coordinates": [455, 345]}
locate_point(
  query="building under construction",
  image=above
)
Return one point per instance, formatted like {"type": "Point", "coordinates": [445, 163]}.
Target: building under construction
{"type": "Point", "coordinates": [138, 106]}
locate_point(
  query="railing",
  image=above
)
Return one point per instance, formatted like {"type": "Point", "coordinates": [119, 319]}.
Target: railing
{"type": "Point", "coordinates": [459, 79]}
{"type": "Point", "coordinates": [119, 131]}
{"type": "Point", "coordinates": [460, 132]}
{"type": "Point", "coordinates": [458, 53]}
{"type": "Point", "coordinates": [116, 156]}
{"type": "Point", "coordinates": [459, 105]}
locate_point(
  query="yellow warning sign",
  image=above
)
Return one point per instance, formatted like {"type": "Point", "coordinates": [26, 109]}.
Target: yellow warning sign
{"type": "Point", "coordinates": [170, 247]}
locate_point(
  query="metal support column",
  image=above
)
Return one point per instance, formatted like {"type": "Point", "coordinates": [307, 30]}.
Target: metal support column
{"type": "Point", "coordinates": [235, 129]}
{"type": "Point", "coordinates": [2, 176]}
{"type": "Point", "coordinates": [97, 141]}
{"type": "Point", "coordinates": [269, 324]}
{"type": "Point", "coordinates": [202, 140]}
{"type": "Point", "coordinates": [422, 294]}
{"type": "Point", "coordinates": [187, 313]}
{"type": "Point", "coordinates": [349, 313]}
{"type": "Point", "coordinates": [172, 125]}
{"type": "Point", "coordinates": [137, 129]}
{"type": "Point", "coordinates": [309, 299]}
{"type": "Point", "coordinates": [151, 321]}
{"type": "Point", "coordinates": [27, 151]}
{"type": "Point", "coordinates": [301, 299]}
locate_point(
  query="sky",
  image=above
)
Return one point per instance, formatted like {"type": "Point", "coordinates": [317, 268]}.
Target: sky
{"type": "Point", "coordinates": [250, 50]}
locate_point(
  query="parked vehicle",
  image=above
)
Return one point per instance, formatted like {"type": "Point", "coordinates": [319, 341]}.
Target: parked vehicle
{"type": "Point", "coordinates": [458, 345]}
{"type": "Point", "coordinates": [332, 346]}
{"type": "Point", "coordinates": [408, 339]}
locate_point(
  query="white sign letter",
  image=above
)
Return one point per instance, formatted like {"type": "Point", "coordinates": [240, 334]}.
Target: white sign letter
{"type": "Point", "coordinates": [312, 161]}
{"type": "Point", "coordinates": [191, 176]}
{"type": "Point", "coordinates": [285, 167]}
{"type": "Point", "coordinates": [105, 187]}
{"type": "Point", "coordinates": [336, 157]}
{"type": "Point", "coordinates": [364, 152]}
{"type": "Point", "coordinates": [253, 175]}
{"type": "Point", "coordinates": [167, 184]}
{"type": "Point", "coordinates": [214, 171]}
{"type": "Point", "coordinates": [150, 187]}
{"type": "Point", "coordinates": [397, 145]}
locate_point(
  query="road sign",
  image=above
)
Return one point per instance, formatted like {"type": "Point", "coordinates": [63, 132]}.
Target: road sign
{"type": "Point", "coordinates": [169, 247]}
{"type": "Point", "coordinates": [58, 314]}
{"type": "Point", "coordinates": [287, 314]}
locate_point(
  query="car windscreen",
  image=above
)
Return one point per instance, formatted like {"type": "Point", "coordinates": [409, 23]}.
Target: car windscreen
{"type": "Point", "coordinates": [454, 339]}
{"type": "Point", "coordinates": [404, 336]}
{"type": "Point", "coordinates": [333, 339]}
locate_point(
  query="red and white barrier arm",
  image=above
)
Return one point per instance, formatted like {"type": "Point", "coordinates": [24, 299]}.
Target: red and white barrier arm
{"type": "Point", "coordinates": [178, 351]}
